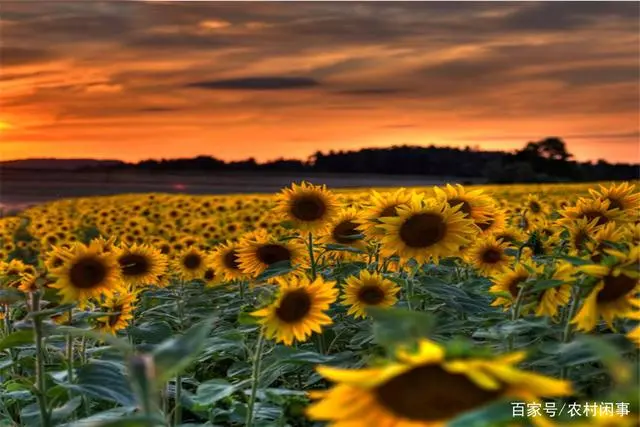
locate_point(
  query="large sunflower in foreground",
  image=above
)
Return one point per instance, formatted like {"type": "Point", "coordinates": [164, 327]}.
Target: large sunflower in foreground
{"type": "Point", "coordinates": [298, 310]}
{"type": "Point", "coordinates": [140, 264]}
{"type": "Point", "coordinates": [120, 308]}
{"type": "Point", "coordinates": [510, 280]}
{"type": "Point", "coordinates": [87, 272]}
{"type": "Point", "coordinates": [224, 259]}
{"type": "Point", "coordinates": [425, 229]}
{"type": "Point", "coordinates": [425, 389]}
{"type": "Point", "coordinates": [261, 251]}
{"type": "Point", "coordinates": [488, 255]}
{"type": "Point", "coordinates": [380, 206]}
{"type": "Point", "coordinates": [473, 204]}
{"type": "Point", "coordinates": [368, 290]}
{"type": "Point", "coordinates": [308, 207]}
{"type": "Point", "coordinates": [190, 263]}
{"type": "Point", "coordinates": [615, 293]}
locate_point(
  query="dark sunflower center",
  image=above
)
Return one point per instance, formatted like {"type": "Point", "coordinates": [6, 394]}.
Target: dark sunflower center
{"type": "Point", "coordinates": [484, 226]}
{"type": "Point", "coordinates": [371, 295]}
{"type": "Point", "coordinates": [114, 318]}
{"type": "Point", "coordinates": [591, 215]}
{"type": "Point", "coordinates": [535, 207]}
{"type": "Point", "coordinates": [308, 208]}
{"type": "Point", "coordinates": [580, 239]}
{"type": "Point", "coordinates": [491, 256]}
{"type": "Point", "coordinates": [134, 265]}
{"type": "Point", "coordinates": [87, 273]}
{"type": "Point", "coordinates": [513, 285]}
{"type": "Point", "coordinates": [616, 287]}
{"type": "Point", "coordinates": [231, 260]}
{"type": "Point", "coordinates": [506, 237]}
{"type": "Point", "coordinates": [615, 203]}
{"type": "Point", "coordinates": [389, 211]}
{"type": "Point", "coordinates": [465, 208]}
{"type": "Point", "coordinates": [57, 262]}
{"type": "Point", "coordinates": [272, 253]}
{"type": "Point", "coordinates": [344, 232]}
{"type": "Point", "coordinates": [209, 274]}
{"type": "Point", "coordinates": [165, 249]}
{"type": "Point", "coordinates": [423, 230]}
{"type": "Point", "coordinates": [294, 306]}
{"type": "Point", "coordinates": [412, 394]}
{"type": "Point", "coordinates": [192, 261]}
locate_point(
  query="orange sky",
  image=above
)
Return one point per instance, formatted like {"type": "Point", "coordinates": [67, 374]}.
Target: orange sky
{"type": "Point", "coordinates": [125, 80]}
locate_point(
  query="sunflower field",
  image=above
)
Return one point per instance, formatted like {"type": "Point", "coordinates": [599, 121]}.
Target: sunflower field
{"type": "Point", "coordinates": [447, 306]}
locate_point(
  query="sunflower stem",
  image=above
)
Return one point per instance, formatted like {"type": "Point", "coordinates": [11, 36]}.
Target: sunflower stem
{"type": "Point", "coordinates": [515, 312]}
{"type": "Point", "coordinates": [566, 331]}
{"type": "Point", "coordinates": [255, 378]}
{"type": "Point", "coordinates": [177, 414]}
{"type": "Point", "coordinates": [41, 392]}
{"type": "Point", "coordinates": [311, 257]}
{"type": "Point", "coordinates": [69, 348]}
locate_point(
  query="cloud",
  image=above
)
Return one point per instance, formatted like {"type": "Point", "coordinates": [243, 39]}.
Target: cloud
{"type": "Point", "coordinates": [13, 55]}
{"type": "Point", "coordinates": [157, 109]}
{"type": "Point", "coordinates": [257, 83]}
{"type": "Point", "coordinates": [372, 91]}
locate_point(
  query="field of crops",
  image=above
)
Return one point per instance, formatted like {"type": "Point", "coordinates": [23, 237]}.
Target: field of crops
{"type": "Point", "coordinates": [459, 306]}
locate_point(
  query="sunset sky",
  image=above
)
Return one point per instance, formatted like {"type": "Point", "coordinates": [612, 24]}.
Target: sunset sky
{"type": "Point", "coordinates": [135, 80]}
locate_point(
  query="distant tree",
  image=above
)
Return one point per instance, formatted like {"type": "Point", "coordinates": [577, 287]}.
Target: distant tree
{"type": "Point", "coordinates": [552, 148]}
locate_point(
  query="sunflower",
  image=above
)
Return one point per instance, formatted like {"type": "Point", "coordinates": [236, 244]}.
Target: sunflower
{"type": "Point", "coordinates": [551, 299]}
{"type": "Point", "coordinates": [381, 206]}
{"type": "Point", "coordinates": [28, 283]}
{"type": "Point", "coordinates": [634, 334]}
{"type": "Point", "coordinates": [211, 277]}
{"type": "Point", "coordinates": [512, 236]}
{"type": "Point", "coordinates": [510, 280]}
{"type": "Point", "coordinates": [224, 259]}
{"type": "Point", "coordinates": [308, 207]}
{"type": "Point", "coordinates": [621, 196]}
{"type": "Point", "coordinates": [259, 251]}
{"type": "Point", "coordinates": [473, 204]}
{"type": "Point", "coordinates": [426, 389]}
{"type": "Point", "coordinates": [343, 230]}
{"type": "Point", "coordinates": [298, 310]}
{"type": "Point", "coordinates": [580, 231]}
{"type": "Point", "coordinates": [534, 208]}
{"type": "Point", "coordinates": [602, 239]}
{"type": "Point", "coordinates": [495, 221]}
{"type": "Point", "coordinates": [190, 263]}
{"type": "Point", "coordinates": [121, 309]}
{"type": "Point", "coordinates": [426, 229]}
{"type": "Point", "coordinates": [615, 293]}
{"type": "Point", "coordinates": [140, 264]}
{"type": "Point", "coordinates": [488, 255]}
{"type": "Point", "coordinates": [368, 290]}
{"type": "Point", "coordinates": [87, 272]}
{"type": "Point", "coordinates": [591, 209]}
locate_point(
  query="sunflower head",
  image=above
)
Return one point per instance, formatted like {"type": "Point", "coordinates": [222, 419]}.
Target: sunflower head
{"type": "Point", "coordinates": [308, 207]}
{"type": "Point", "coordinates": [120, 309]}
{"type": "Point", "coordinates": [225, 260]}
{"type": "Point", "coordinates": [380, 206]}
{"type": "Point", "coordinates": [473, 204]}
{"type": "Point", "coordinates": [343, 230]}
{"type": "Point", "coordinates": [590, 210]}
{"type": "Point", "coordinates": [507, 284]}
{"type": "Point", "coordinates": [298, 310]}
{"type": "Point", "coordinates": [259, 251]}
{"type": "Point", "coordinates": [140, 264]}
{"type": "Point", "coordinates": [190, 263]}
{"type": "Point", "coordinates": [489, 255]}
{"type": "Point", "coordinates": [368, 290]}
{"type": "Point", "coordinates": [619, 196]}
{"type": "Point", "coordinates": [426, 228]}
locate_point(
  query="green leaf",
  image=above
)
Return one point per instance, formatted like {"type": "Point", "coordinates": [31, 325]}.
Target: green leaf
{"type": "Point", "coordinates": [173, 355]}
{"type": "Point", "coordinates": [65, 411]}
{"type": "Point", "coordinates": [98, 336]}
{"type": "Point", "coordinates": [543, 285]}
{"type": "Point", "coordinates": [276, 269]}
{"type": "Point", "coordinates": [105, 381]}
{"type": "Point", "coordinates": [343, 248]}
{"type": "Point", "coordinates": [16, 339]}
{"type": "Point", "coordinates": [128, 421]}
{"type": "Point", "coordinates": [493, 414]}
{"type": "Point", "coordinates": [10, 296]}
{"type": "Point", "coordinates": [209, 392]}
{"type": "Point", "coordinates": [50, 311]}
{"type": "Point", "coordinates": [576, 260]}
{"type": "Point", "coordinates": [395, 326]}
{"type": "Point", "coordinates": [101, 418]}
{"type": "Point", "coordinates": [151, 332]}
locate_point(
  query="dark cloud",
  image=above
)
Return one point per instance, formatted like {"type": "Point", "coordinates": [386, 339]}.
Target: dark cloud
{"type": "Point", "coordinates": [11, 55]}
{"type": "Point", "coordinates": [596, 75]}
{"type": "Point", "coordinates": [257, 83]}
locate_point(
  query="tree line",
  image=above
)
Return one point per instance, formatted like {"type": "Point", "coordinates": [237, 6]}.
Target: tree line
{"type": "Point", "coordinates": [546, 160]}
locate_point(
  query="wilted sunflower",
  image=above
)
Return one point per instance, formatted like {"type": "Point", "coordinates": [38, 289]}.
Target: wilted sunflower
{"type": "Point", "coordinates": [615, 294]}
{"type": "Point", "coordinates": [190, 263]}
{"type": "Point", "coordinates": [308, 207]}
{"type": "Point", "coordinates": [621, 196]}
{"type": "Point", "coordinates": [343, 230]}
{"type": "Point", "coordinates": [121, 307]}
{"type": "Point", "coordinates": [368, 290]}
{"type": "Point", "coordinates": [426, 389]}
{"type": "Point", "coordinates": [551, 299]}
{"type": "Point", "coordinates": [225, 261]}
{"type": "Point", "coordinates": [140, 264]}
{"type": "Point", "coordinates": [260, 251]}
{"type": "Point", "coordinates": [509, 281]}
{"type": "Point", "coordinates": [298, 310]}
{"type": "Point", "coordinates": [381, 206]}
{"type": "Point", "coordinates": [473, 204]}
{"type": "Point", "coordinates": [488, 255]}
{"type": "Point", "coordinates": [426, 229]}
{"type": "Point", "coordinates": [87, 272]}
